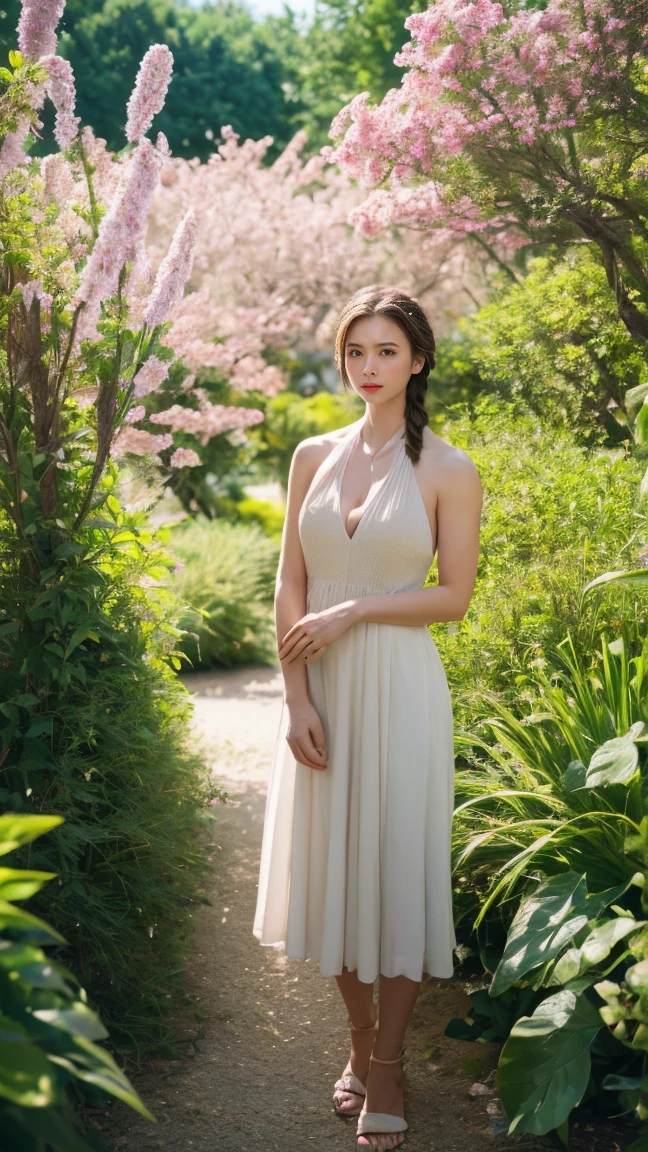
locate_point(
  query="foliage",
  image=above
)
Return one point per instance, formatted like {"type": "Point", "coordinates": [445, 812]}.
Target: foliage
{"type": "Point", "coordinates": [515, 127]}
{"type": "Point", "coordinates": [348, 48]}
{"type": "Point", "coordinates": [227, 576]}
{"type": "Point", "coordinates": [555, 341]}
{"type": "Point", "coordinates": [558, 795]}
{"type": "Point", "coordinates": [269, 516]}
{"type": "Point", "coordinates": [525, 801]}
{"type": "Point", "coordinates": [93, 723]}
{"type": "Point", "coordinates": [49, 1032]}
{"type": "Point", "coordinates": [96, 727]}
{"type": "Point", "coordinates": [291, 418]}
{"type": "Point", "coordinates": [555, 514]}
{"type": "Point", "coordinates": [230, 68]}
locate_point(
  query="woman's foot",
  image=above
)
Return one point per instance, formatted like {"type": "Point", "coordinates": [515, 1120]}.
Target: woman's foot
{"type": "Point", "coordinates": [346, 1101]}
{"type": "Point", "coordinates": [385, 1097]}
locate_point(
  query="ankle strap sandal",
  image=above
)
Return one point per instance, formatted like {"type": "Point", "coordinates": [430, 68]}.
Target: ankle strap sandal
{"type": "Point", "coordinates": [383, 1123]}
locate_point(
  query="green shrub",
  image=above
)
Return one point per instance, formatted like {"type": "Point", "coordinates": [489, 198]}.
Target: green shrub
{"type": "Point", "coordinates": [96, 728]}
{"type": "Point", "coordinates": [555, 515]}
{"type": "Point", "coordinates": [290, 418]}
{"type": "Point", "coordinates": [269, 516]}
{"type": "Point", "coordinates": [49, 1033]}
{"type": "Point", "coordinates": [551, 825]}
{"type": "Point", "coordinates": [228, 578]}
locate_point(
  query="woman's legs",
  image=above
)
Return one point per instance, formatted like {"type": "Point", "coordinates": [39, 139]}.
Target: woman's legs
{"type": "Point", "coordinates": [358, 998]}
{"type": "Point", "coordinates": [384, 1084]}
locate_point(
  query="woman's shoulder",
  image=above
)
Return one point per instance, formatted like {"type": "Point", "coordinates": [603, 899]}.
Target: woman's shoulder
{"type": "Point", "coordinates": [446, 463]}
{"type": "Point", "coordinates": [311, 452]}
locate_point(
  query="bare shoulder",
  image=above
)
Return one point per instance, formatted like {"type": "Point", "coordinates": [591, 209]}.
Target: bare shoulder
{"type": "Point", "coordinates": [313, 451]}
{"type": "Point", "coordinates": [445, 466]}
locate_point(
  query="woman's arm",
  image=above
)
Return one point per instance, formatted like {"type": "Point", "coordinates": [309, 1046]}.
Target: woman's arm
{"type": "Point", "coordinates": [290, 589]}
{"type": "Point", "coordinates": [459, 504]}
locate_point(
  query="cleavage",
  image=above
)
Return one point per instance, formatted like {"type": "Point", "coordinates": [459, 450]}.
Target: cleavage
{"type": "Point", "coordinates": [356, 478]}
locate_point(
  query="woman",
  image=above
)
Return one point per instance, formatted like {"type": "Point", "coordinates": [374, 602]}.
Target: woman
{"type": "Point", "coordinates": [355, 864]}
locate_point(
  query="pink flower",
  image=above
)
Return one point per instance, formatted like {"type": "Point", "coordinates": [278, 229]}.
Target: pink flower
{"type": "Point", "coordinates": [135, 414]}
{"type": "Point", "coordinates": [61, 91]}
{"type": "Point", "coordinates": [209, 420]}
{"type": "Point", "coordinates": [36, 27]}
{"type": "Point", "coordinates": [149, 93]}
{"type": "Point", "coordinates": [12, 152]}
{"type": "Point", "coordinates": [138, 442]}
{"type": "Point", "coordinates": [185, 458]}
{"type": "Point", "coordinates": [173, 272]}
{"type": "Point", "coordinates": [123, 225]}
{"type": "Point", "coordinates": [150, 376]}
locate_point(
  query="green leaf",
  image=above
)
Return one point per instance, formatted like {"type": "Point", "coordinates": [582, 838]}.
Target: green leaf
{"type": "Point", "coordinates": [543, 924]}
{"type": "Point", "coordinates": [33, 929]}
{"type": "Point", "coordinates": [602, 939]}
{"type": "Point", "coordinates": [574, 776]}
{"type": "Point", "coordinates": [93, 1064]}
{"type": "Point", "coordinates": [15, 58]}
{"type": "Point", "coordinates": [19, 884]}
{"type": "Point", "coordinates": [40, 725]}
{"type": "Point", "coordinates": [616, 761]}
{"type": "Point", "coordinates": [545, 1064]}
{"type": "Point", "coordinates": [17, 830]}
{"type": "Point", "coordinates": [79, 1020]}
{"type": "Point", "coordinates": [25, 1072]}
{"type": "Point", "coordinates": [50, 1130]}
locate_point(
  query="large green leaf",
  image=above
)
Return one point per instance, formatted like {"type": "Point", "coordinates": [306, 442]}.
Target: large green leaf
{"type": "Point", "coordinates": [35, 930]}
{"type": "Point", "coordinates": [25, 1072]}
{"type": "Point", "coordinates": [616, 761]}
{"type": "Point", "coordinates": [16, 830]}
{"type": "Point", "coordinates": [543, 924]}
{"type": "Point", "coordinates": [93, 1064]}
{"type": "Point", "coordinates": [545, 1064]}
{"type": "Point", "coordinates": [78, 1019]}
{"type": "Point", "coordinates": [595, 948]}
{"type": "Point", "coordinates": [49, 1128]}
{"type": "Point", "coordinates": [19, 884]}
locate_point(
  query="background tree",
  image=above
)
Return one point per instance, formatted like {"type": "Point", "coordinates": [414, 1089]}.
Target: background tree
{"type": "Point", "coordinates": [228, 68]}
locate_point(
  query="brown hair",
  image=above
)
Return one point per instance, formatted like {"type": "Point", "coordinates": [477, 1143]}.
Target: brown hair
{"type": "Point", "coordinates": [380, 300]}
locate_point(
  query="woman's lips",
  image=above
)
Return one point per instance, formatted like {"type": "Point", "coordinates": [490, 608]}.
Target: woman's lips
{"type": "Point", "coordinates": [371, 387]}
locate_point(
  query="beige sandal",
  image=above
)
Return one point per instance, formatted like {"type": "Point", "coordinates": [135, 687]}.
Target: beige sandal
{"type": "Point", "coordinates": [380, 1123]}
{"type": "Point", "coordinates": [349, 1085]}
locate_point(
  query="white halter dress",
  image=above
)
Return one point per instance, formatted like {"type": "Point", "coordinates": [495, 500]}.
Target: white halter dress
{"type": "Point", "coordinates": [355, 861]}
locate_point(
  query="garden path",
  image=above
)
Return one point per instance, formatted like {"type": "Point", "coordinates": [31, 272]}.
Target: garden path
{"type": "Point", "coordinates": [272, 1039]}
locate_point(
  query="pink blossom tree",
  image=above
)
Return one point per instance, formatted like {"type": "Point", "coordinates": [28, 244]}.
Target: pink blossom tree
{"type": "Point", "coordinates": [276, 258]}
{"type": "Point", "coordinates": [514, 128]}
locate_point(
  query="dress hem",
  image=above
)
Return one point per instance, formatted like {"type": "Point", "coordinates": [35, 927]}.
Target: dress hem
{"type": "Point", "coordinates": [280, 944]}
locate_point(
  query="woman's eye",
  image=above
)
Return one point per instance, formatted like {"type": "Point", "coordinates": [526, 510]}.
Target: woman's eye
{"type": "Point", "coordinates": [390, 350]}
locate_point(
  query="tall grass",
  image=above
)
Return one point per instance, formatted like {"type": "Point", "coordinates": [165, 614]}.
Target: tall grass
{"type": "Point", "coordinates": [228, 578]}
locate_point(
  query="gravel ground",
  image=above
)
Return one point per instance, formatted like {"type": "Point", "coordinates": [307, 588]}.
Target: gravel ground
{"type": "Point", "coordinates": [271, 1037]}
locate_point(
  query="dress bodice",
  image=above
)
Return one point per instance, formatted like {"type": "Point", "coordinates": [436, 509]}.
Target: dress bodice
{"type": "Point", "coordinates": [392, 547]}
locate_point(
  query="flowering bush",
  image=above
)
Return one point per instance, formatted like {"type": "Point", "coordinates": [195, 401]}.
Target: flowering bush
{"type": "Point", "coordinates": [276, 259]}
{"type": "Point", "coordinates": [514, 126]}
{"type": "Point", "coordinates": [94, 724]}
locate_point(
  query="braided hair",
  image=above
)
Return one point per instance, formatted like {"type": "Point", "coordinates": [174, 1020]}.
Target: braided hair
{"type": "Point", "coordinates": [378, 300]}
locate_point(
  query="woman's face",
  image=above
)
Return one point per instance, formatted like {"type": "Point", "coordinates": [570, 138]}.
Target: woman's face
{"type": "Point", "coordinates": [378, 359]}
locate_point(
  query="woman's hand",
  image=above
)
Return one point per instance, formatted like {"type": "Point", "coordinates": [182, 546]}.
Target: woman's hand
{"type": "Point", "coordinates": [310, 635]}
{"type": "Point", "coordinates": [305, 736]}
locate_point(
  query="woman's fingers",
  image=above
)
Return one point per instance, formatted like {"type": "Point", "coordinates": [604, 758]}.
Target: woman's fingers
{"type": "Point", "coordinates": [300, 754]}
{"type": "Point", "coordinates": [318, 739]}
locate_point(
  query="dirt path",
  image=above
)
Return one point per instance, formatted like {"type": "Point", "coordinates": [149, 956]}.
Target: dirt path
{"type": "Point", "coordinates": [273, 1036]}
